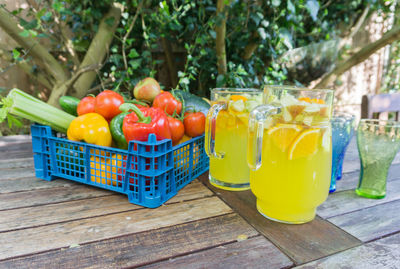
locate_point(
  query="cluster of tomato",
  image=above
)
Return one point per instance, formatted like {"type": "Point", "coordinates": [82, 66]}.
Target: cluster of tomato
{"type": "Point", "coordinates": [166, 117]}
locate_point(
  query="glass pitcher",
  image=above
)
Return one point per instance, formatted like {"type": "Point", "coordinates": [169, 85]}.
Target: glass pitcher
{"type": "Point", "coordinates": [290, 152]}
{"type": "Point", "coordinates": [226, 136]}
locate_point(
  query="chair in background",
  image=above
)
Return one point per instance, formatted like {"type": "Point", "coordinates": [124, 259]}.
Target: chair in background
{"type": "Point", "coordinates": [372, 106]}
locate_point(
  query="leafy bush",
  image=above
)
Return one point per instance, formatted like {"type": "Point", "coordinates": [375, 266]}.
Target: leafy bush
{"type": "Point", "coordinates": [258, 34]}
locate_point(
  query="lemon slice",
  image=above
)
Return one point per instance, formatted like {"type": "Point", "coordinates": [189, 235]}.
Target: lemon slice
{"type": "Point", "coordinates": [326, 140]}
{"type": "Point", "coordinates": [305, 144]}
{"type": "Point", "coordinates": [243, 118]}
{"type": "Point", "coordinates": [284, 134]}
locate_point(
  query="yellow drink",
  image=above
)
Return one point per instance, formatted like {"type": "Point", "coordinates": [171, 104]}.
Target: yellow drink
{"type": "Point", "coordinates": [289, 190]}
{"type": "Point", "coordinates": [227, 135]}
{"type": "Point", "coordinates": [230, 172]}
{"type": "Point", "coordinates": [290, 153]}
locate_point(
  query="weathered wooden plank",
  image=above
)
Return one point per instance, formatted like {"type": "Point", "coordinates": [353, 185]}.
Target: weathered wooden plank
{"type": "Point", "coordinates": [4, 140]}
{"type": "Point", "coordinates": [6, 174]}
{"type": "Point", "coordinates": [253, 253]}
{"type": "Point", "coordinates": [371, 223]}
{"type": "Point", "coordinates": [302, 243]}
{"type": "Point", "coordinates": [43, 238]}
{"type": "Point", "coordinates": [142, 248]}
{"type": "Point", "coordinates": [383, 253]}
{"type": "Point", "coordinates": [31, 183]}
{"type": "Point", "coordinates": [15, 146]}
{"type": "Point", "coordinates": [350, 180]}
{"type": "Point", "coordinates": [49, 196]}
{"type": "Point", "coordinates": [72, 210]}
{"type": "Point", "coordinates": [348, 201]}
{"type": "Point", "coordinates": [15, 155]}
{"type": "Point", "coordinates": [192, 191]}
{"type": "Point", "coordinates": [17, 163]}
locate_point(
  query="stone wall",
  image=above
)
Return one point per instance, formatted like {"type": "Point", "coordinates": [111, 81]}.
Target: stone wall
{"type": "Point", "coordinates": [364, 78]}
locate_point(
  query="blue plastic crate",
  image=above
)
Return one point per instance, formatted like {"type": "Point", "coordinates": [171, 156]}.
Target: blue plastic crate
{"type": "Point", "coordinates": [149, 172]}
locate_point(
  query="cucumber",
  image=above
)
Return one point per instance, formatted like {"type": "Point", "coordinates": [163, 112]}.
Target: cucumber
{"type": "Point", "coordinates": [69, 104]}
{"type": "Point", "coordinates": [191, 102]}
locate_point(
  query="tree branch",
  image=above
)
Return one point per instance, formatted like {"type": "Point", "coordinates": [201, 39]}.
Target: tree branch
{"type": "Point", "coordinates": [27, 68]}
{"type": "Point", "coordinates": [170, 61]}
{"type": "Point", "coordinates": [98, 48]}
{"type": "Point", "coordinates": [250, 47]}
{"type": "Point", "coordinates": [60, 89]}
{"type": "Point", "coordinates": [360, 56]}
{"type": "Point", "coordinates": [356, 28]}
{"type": "Point", "coordinates": [38, 51]}
{"type": "Point", "coordinates": [33, 4]}
{"type": "Point", "coordinates": [139, 8]}
{"type": "Point", "coordinates": [65, 37]}
{"type": "Point", "coordinates": [104, 83]}
{"type": "Point", "coordinates": [220, 39]}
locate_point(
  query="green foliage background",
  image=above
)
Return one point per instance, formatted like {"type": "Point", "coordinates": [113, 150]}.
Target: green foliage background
{"type": "Point", "coordinates": [276, 26]}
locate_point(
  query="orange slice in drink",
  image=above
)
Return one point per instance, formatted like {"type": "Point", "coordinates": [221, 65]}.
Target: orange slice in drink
{"type": "Point", "coordinates": [284, 134]}
{"type": "Point", "coordinates": [238, 97]}
{"type": "Point", "coordinates": [305, 144]}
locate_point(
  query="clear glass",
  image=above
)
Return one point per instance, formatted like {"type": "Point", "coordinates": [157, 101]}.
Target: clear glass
{"type": "Point", "coordinates": [226, 136]}
{"type": "Point", "coordinates": [342, 132]}
{"type": "Point", "coordinates": [290, 152]}
{"type": "Point", "coordinates": [378, 142]}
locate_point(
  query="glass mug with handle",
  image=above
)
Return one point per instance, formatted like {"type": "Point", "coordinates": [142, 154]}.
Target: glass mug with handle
{"type": "Point", "coordinates": [290, 152]}
{"type": "Point", "coordinates": [226, 136]}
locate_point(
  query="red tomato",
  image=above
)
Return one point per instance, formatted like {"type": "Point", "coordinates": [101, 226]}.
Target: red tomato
{"type": "Point", "coordinates": [177, 130]}
{"type": "Point", "coordinates": [86, 105]}
{"type": "Point", "coordinates": [195, 123]}
{"type": "Point", "coordinates": [107, 104]}
{"type": "Point", "coordinates": [168, 103]}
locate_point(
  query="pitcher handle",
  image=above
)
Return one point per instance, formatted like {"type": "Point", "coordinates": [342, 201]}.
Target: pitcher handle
{"type": "Point", "coordinates": [257, 118]}
{"type": "Point", "coordinates": [210, 130]}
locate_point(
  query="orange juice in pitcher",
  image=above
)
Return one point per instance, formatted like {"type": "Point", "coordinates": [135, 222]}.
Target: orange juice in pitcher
{"type": "Point", "coordinates": [290, 152]}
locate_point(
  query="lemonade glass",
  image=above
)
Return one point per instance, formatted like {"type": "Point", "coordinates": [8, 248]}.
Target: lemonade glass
{"type": "Point", "coordinates": [290, 152]}
{"type": "Point", "coordinates": [226, 136]}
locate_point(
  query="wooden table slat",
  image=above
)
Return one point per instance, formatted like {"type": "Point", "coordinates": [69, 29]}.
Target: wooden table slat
{"type": "Point", "coordinates": [31, 183]}
{"type": "Point", "coordinates": [7, 174]}
{"type": "Point", "coordinates": [17, 163]}
{"type": "Point", "coordinates": [16, 146]}
{"type": "Point", "coordinates": [142, 248]}
{"type": "Point", "coordinates": [348, 201]}
{"type": "Point", "coordinates": [252, 253]}
{"type": "Point", "coordinates": [371, 223]}
{"type": "Point", "coordinates": [383, 253]}
{"type": "Point", "coordinates": [49, 196]}
{"type": "Point", "coordinates": [302, 243]}
{"type": "Point", "coordinates": [43, 238]}
{"type": "Point", "coordinates": [10, 155]}
{"type": "Point", "coordinates": [72, 210]}
{"type": "Point", "coordinates": [12, 139]}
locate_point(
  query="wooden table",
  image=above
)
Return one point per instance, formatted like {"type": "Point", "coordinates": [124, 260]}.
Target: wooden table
{"type": "Point", "coordinates": [62, 224]}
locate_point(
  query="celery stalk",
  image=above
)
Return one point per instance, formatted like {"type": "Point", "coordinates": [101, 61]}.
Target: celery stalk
{"type": "Point", "coordinates": [28, 107]}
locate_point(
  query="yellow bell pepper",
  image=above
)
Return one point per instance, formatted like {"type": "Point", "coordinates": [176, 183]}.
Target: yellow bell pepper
{"type": "Point", "coordinates": [91, 128]}
{"type": "Point", "coordinates": [181, 160]}
{"type": "Point", "coordinates": [104, 170]}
